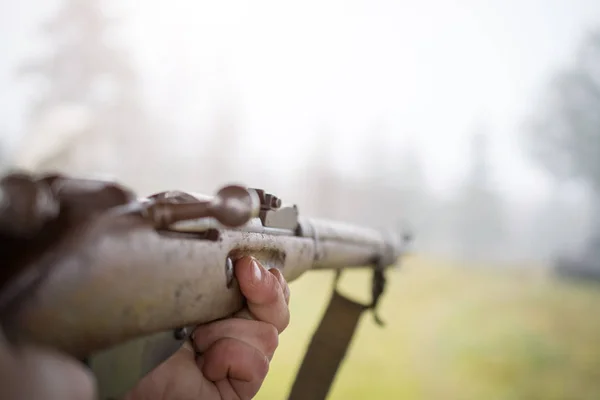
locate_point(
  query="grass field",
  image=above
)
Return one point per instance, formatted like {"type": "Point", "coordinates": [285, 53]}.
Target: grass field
{"type": "Point", "coordinates": [455, 333]}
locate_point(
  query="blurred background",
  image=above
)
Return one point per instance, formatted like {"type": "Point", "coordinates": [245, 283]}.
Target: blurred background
{"type": "Point", "coordinates": [476, 124]}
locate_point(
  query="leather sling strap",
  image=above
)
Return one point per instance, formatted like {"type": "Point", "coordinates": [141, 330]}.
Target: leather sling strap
{"type": "Point", "coordinates": [331, 341]}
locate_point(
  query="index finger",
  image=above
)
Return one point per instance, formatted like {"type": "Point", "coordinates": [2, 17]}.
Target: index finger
{"type": "Point", "coordinates": [265, 292]}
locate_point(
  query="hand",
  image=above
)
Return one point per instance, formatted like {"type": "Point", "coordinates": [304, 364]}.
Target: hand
{"type": "Point", "coordinates": [231, 357]}
{"type": "Point", "coordinates": [33, 373]}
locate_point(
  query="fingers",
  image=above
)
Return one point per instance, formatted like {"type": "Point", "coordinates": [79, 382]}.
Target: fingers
{"type": "Point", "coordinates": [246, 314]}
{"type": "Point", "coordinates": [176, 378]}
{"type": "Point", "coordinates": [266, 292]}
{"type": "Point", "coordinates": [63, 377]}
{"type": "Point", "coordinates": [237, 363]}
{"type": "Point", "coordinates": [235, 353]}
{"type": "Point", "coordinates": [37, 373]}
{"type": "Point", "coordinates": [283, 283]}
{"type": "Point", "coordinates": [260, 335]}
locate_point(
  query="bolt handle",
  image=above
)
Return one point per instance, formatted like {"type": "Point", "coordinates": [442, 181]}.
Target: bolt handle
{"type": "Point", "coordinates": [232, 206]}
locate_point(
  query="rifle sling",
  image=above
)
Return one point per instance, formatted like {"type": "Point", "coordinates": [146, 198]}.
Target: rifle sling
{"type": "Point", "coordinates": [327, 349]}
{"type": "Point", "coordinates": [331, 340]}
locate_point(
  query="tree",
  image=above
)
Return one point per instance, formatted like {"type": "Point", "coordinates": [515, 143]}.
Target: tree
{"type": "Point", "coordinates": [479, 224]}
{"type": "Point", "coordinates": [379, 168]}
{"type": "Point", "coordinates": [564, 136]}
{"type": "Point", "coordinates": [320, 181]}
{"type": "Point", "coordinates": [83, 68]}
{"type": "Point", "coordinates": [559, 224]}
{"type": "Point", "coordinates": [85, 72]}
{"type": "Point", "coordinates": [414, 206]}
{"type": "Point", "coordinates": [4, 159]}
{"type": "Point", "coordinates": [377, 196]}
{"type": "Point", "coordinates": [221, 153]}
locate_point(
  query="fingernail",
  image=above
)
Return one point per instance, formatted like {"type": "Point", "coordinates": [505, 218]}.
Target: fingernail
{"type": "Point", "coordinates": [256, 272]}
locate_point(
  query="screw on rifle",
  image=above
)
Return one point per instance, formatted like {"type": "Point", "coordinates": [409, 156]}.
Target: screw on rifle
{"type": "Point", "coordinates": [180, 333]}
{"type": "Point", "coordinates": [229, 271]}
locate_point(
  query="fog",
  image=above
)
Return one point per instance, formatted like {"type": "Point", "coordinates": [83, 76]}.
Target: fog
{"type": "Point", "coordinates": [362, 111]}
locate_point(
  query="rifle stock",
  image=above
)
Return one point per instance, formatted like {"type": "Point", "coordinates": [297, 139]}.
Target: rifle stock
{"type": "Point", "coordinates": [103, 273]}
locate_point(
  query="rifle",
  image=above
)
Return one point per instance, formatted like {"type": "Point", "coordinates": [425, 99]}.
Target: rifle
{"type": "Point", "coordinates": [91, 270]}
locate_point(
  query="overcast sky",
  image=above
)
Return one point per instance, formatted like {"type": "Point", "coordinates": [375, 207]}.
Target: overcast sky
{"type": "Point", "coordinates": [428, 71]}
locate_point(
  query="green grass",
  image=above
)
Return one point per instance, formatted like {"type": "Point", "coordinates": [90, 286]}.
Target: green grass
{"type": "Point", "coordinates": [455, 333]}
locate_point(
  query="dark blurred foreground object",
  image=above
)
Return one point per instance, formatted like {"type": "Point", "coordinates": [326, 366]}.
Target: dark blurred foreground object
{"type": "Point", "coordinates": [586, 266]}
{"type": "Point", "coordinates": [90, 270]}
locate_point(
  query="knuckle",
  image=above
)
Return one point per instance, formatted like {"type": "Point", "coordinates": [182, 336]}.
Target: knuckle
{"type": "Point", "coordinates": [206, 333]}
{"type": "Point", "coordinates": [271, 291]}
{"type": "Point", "coordinates": [261, 367]}
{"type": "Point", "coordinates": [269, 337]}
{"type": "Point", "coordinates": [284, 318]}
{"type": "Point", "coordinates": [226, 346]}
{"type": "Point", "coordinates": [285, 321]}
{"type": "Point", "coordinates": [200, 331]}
{"type": "Point", "coordinates": [280, 279]}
